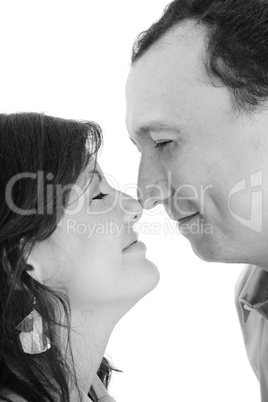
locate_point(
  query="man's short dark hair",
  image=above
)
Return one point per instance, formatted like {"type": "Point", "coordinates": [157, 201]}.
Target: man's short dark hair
{"type": "Point", "coordinates": [237, 44]}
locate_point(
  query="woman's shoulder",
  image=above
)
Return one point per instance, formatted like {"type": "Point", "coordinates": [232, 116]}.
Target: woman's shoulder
{"type": "Point", "coordinates": [11, 396]}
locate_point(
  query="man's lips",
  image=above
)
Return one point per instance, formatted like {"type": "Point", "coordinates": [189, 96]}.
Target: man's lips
{"type": "Point", "coordinates": [177, 216]}
{"type": "Point", "coordinates": [186, 218]}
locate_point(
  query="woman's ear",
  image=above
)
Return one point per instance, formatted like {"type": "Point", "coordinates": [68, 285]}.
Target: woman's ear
{"type": "Point", "coordinates": [42, 262]}
{"type": "Point", "coordinates": [33, 267]}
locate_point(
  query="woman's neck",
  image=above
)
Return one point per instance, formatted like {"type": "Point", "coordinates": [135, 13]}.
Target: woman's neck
{"type": "Point", "coordinates": [89, 338]}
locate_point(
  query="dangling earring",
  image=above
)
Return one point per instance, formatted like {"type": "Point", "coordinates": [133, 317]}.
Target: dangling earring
{"type": "Point", "coordinates": [32, 338]}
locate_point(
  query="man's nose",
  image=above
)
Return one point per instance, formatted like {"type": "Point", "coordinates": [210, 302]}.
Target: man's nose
{"type": "Point", "coordinates": [153, 186]}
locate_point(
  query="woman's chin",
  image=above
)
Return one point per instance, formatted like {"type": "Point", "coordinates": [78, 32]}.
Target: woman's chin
{"type": "Point", "coordinates": [150, 275]}
{"type": "Point", "coordinates": [143, 275]}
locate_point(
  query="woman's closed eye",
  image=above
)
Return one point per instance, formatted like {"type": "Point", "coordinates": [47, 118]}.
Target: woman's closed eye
{"type": "Point", "coordinates": [99, 196]}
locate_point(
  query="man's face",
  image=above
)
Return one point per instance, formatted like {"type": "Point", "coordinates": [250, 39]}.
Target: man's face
{"type": "Point", "coordinates": [198, 157]}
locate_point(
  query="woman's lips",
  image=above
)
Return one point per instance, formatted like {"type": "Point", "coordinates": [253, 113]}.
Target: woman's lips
{"type": "Point", "coordinates": [134, 246]}
{"type": "Point", "coordinates": [129, 245]}
{"type": "Point", "coordinates": [133, 238]}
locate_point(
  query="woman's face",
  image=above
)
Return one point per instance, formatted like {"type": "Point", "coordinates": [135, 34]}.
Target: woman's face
{"type": "Point", "coordinates": [90, 252]}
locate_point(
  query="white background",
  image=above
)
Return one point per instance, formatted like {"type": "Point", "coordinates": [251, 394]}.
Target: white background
{"type": "Point", "coordinates": [70, 59]}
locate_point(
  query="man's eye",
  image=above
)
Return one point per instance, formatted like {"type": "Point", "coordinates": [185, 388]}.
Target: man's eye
{"type": "Point", "coordinates": [162, 145]}
{"type": "Point", "coordinates": [136, 145]}
{"type": "Point", "coordinates": [100, 196]}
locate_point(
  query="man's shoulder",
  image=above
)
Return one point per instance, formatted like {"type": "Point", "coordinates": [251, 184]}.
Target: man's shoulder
{"type": "Point", "coordinates": [242, 279]}
{"type": "Point", "coordinates": [251, 292]}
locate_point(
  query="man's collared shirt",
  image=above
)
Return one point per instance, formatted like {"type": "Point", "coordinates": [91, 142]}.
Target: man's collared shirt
{"type": "Point", "coordinates": [251, 297]}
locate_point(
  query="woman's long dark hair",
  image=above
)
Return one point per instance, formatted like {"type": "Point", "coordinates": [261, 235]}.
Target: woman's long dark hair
{"type": "Point", "coordinates": [57, 150]}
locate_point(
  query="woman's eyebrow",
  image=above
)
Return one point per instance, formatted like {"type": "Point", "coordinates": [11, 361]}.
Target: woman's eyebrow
{"type": "Point", "coordinates": [99, 175]}
{"type": "Point", "coordinates": [88, 177]}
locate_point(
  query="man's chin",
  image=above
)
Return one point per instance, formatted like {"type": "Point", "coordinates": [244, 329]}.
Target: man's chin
{"type": "Point", "coordinates": [204, 255]}
{"type": "Point", "coordinates": [205, 247]}
{"type": "Point", "coordinates": [210, 253]}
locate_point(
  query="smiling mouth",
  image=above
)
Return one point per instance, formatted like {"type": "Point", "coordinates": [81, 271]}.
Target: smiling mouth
{"type": "Point", "coordinates": [186, 218]}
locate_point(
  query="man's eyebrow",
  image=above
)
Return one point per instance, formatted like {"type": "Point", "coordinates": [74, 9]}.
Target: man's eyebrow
{"type": "Point", "coordinates": [157, 128]}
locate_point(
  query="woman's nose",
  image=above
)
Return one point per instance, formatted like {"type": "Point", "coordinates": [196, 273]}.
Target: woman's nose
{"type": "Point", "coordinates": [131, 209]}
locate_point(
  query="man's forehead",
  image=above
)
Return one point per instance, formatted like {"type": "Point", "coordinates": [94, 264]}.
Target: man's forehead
{"type": "Point", "coordinates": [179, 54]}
{"type": "Point", "coordinates": [187, 37]}
{"type": "Point", "coordinates": [164, 81]}
{"type": "Point", "coordinates": [188, 33]}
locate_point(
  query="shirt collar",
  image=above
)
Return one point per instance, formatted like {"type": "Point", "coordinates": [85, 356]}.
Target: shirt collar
{"type": "Point", "coordinates": [254, 295]}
